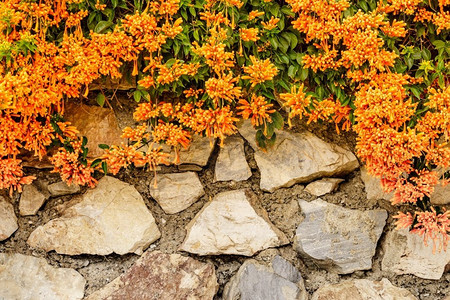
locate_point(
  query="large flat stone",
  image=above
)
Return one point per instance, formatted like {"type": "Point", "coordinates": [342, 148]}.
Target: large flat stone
{"type": "Point", "coordinates": [280, 281]}
{"type": "Point", "coordinates": [362, 289]}
{"type": "Point", "coordinates": [29, 278]}
{"type": "Point", "coordinates": [298, 158]}
{"type": "Point", "coordinates": [8, 219]}
{"type": "Point", "coordinates": [232, 223]}
{"type": "Point", "coordinates": [231, 163]}
{"type": "Point", "coordinates": [160, 276]}
{"type": "Point", "coordinates": [31, 199]}
{"type": "Point", "coordinates": [339, 239]}
{"type": "Point", "coordinates": [175, 192]}
{"type": "Point", "coordinates": [406, 253]}
{"type": "Point", "coordinates": [98, 124]}
{"type": "Point", "coordinates": [109, 218]}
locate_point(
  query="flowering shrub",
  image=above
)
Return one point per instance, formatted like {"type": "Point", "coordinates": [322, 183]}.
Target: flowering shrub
{"type": "Point", "coordinates": [379, 68]}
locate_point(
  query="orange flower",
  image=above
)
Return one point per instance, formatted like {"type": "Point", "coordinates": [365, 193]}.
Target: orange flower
{"type": "Point", "coordinates": [118, 157]}
{"type": "Point", "coordinates": [254, 14]}
{"type": "Point", "coordinates": [271, 24]}
{"type": "Point", "coordinates": [249, 34]}
{"type": "Point", "coordinates": [259, 71]}
{"type": "Point", "coordinates": [258, 109]}
{"type": "Point", "coordinates": [297, 102]}
{"type": "Point", "coordinates": [223, 88]}
{"type": "Point", "coordinates": [11, 175]}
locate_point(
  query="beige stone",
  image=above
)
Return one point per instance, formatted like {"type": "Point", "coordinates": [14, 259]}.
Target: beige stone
{"type": "Point", "coordinates": [232, 223]}
{"type": "Point", "coordinates": [109, 218]}
{"type": "Point", "coordinates": [323, 186]}
{"type": "Point", "coordinates": [231, 164]}
{"type": "Point", "coordinates": [8, 219]}
{"type": "Point", "coordinates": [362, 289]}
{"type": "Point", "coordinates": [30, 278]}
{"type": "Point", "coordinates": [31, 200]}
{"type": "Point", "coordinates": [297, 158]}
{"type": "Point", "coordinates": [198, 152]}
{"type": "Point", "coordinates": [175, 192]}
{"type": "Point", "coordinates": [406, 253]}
{"type": "Point", "coordinates": [61, 188]}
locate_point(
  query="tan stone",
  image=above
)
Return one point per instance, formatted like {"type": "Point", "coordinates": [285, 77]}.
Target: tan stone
{"type": "Point", "coordinates": [323, 186]}
{"type": "Point", "coordinates": [98, 124]}
{"type": "Point", "coordinates": [231, 163]}
{"type": "Point", "coordinates": [31, 200]}
{"type": "Point", "coordinates": [109, 218]}
{"type": "Point", "coordinates": [61, 188]}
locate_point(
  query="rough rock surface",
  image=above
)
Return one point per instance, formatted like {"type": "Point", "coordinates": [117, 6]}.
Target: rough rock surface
{"type": "Point", "coordinates": [160, 276]}
{"type": "Point", "coordinates": [406, 253]}
{"type": "Point", "coordinates": [8, 219]}
{"type": "Point", "coordinates": [323, 186]}
{"type": "Point", "coordinates": [281, 281]}
{"type": "Point", "coordinates": [362, 289]}
{"type": "Point", "coordinates": [297, 158]}
{"type": "Point", "coordinates": [61, 188]}
{"type": "Point", "coordinates": [176, 191]}
{"type": "Point", "coordinates": [231, 163]}
{"type": "Point", "coordinates": [110, 218]}
{"type": "Point", "coordinates": [441, 195]}
{"type": "Point", "coordinates": [373, 187]}
{"type": "Point", "coordinates": [232, 223]}
{"type": "Point", "coordinates": [31, 199]}
{"type": "Point", "coordinates": [30, 278]}
{"type": "Point", "coordinates": [337, 238]}
{"type": "Point", "coordinates": [198, 152]}
{"type": "Point", "coordinates": [98, 124]}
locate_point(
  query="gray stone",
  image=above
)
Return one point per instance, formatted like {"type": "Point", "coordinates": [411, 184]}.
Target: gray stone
{"type": "Point", "coordinates": [109, 218]}
{"type": "Point", "coordinates": [198, 152]}
{"type": "Point", "coordinates": [30, 278]}
{"type": "Point", "coordinates": [441, 195]}
{"type": "Point", "coordinates": [231, 163]}
{"type": "Point", "coordinates": [8, 219]}
{"type": "Point", "coordinates": [61, 188]}
{"type": "Point", "coordinates": [254, 281]}
{"type": "Point", "coordinates": [323, 186]}
{"type": "Point", "coordinates": [339, 239]}
{"type": "Point", "coordinates": [298, 158]}
{"type": "Point", "coordinates": [160, 276]}
{"type": "Point", "coordinates": [406, 253]}
{"type": "Point", "coordinates": [176, 191]}
{"type": "Point", "coordinates": [362, 289]}
{"type": "Point", "coordinates": [31, 200]}
{"type": "Point", "coordinates": [232, 223]}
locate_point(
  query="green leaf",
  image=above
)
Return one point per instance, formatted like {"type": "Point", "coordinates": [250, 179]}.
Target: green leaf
{"type": "Point", "coordinates": [277, 120]}
{"type": "Point", "coordinates": [103, 146]}
{"type": "Point", "coordinates": [273, 41]}
{"type": "Point", "coordinates": [84, 141]}
{"type": "Point", "coordinates": [274, 9]}
{"type": "Point", "coordinates": [137, 95]}
{"type": "Point", "coordinates": [426, 54]}
{"type": "Point", "coordinates": [100, 99]}
{"type": "Point", "coordinates": [260, 139]}
{"type": "Point", "coordinates": [102, 26]}
{"type": "Point", "coordinates": [439, 44]}
{"type": "Point", "coordinates": [304, 74]}
{"type": "Point", "coordinates": [104, 167]}
{"type": "Point", "coordinates": [96, 162]}
{"type": "Point", "coordinates": [114, 3]}
{"type": "Point", "coordinates": [269, 130]}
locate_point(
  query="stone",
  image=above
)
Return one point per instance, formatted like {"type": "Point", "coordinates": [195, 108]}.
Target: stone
{"type": "Point", "coordinates": [441, 195]}
{"type": "Point", "coordinates": [198, 152]}
{"type": "Point", "coordinates": [323, 186]}
{"type": "Point", "coordinates": [338, 239]}
{"type": "Point", "coordinates": [31, 199]}
{"type": "Point", "coordinates": [406, 253]}
{"type": "Point", "coordinates": [232, 223]}
{"type": "Point", "coordinates": [373, 187]}
{"type": "Point", "coordinates": [231, 163]}
{"type": "Point", "coordinates": [30, 278]}
{"type": "Point", "coordinates": [176, 191]}
{"type": "Point", "coordinates": [98, 124]}
{"type": "Point", "coordinates": [8, 219]}
{"type": "Point", "coordinates": [297, 158]}
{"type": "Point", "coordinates": [160, 276]}
{"type": "Point", "coordinates": [109, 218]}
{"type": "Point", "coordinates": [362, 289]}
{"type": "Point", "coordinates": [255, 281]}
{"type": "Point", "coordinates": [61, 188]}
